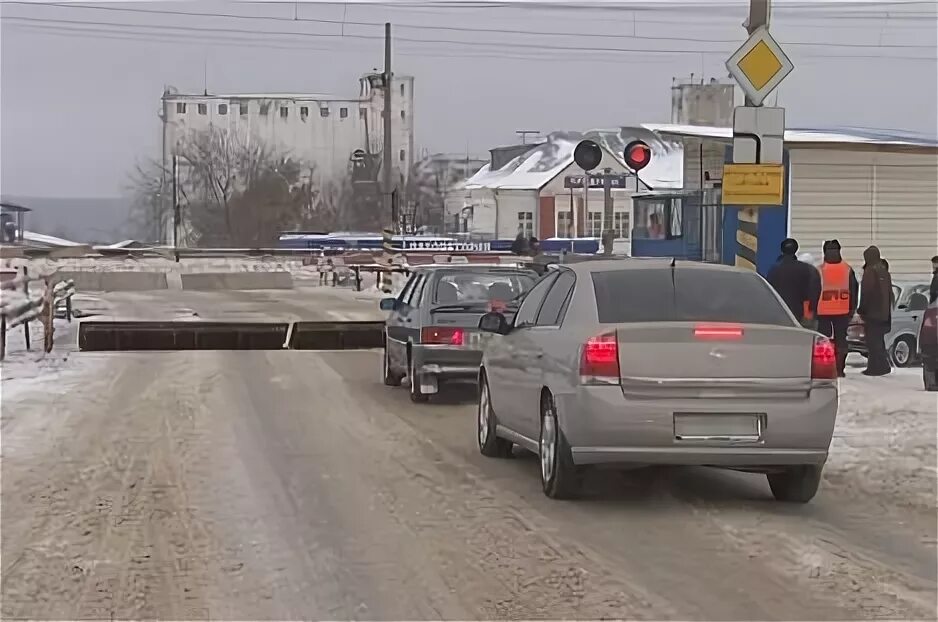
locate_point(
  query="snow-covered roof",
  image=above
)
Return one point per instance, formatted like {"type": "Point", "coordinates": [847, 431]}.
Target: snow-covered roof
{"type": "Point", "coordinates": [837, 135]}
{"type": "Point", "coordinates": [40, 239]}
{"type": "Point", "coordinates": [544, 161]}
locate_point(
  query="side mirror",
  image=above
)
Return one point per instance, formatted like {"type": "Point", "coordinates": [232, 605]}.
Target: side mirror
{"type": "Point", "coordinates": [388, 304]}
{"type": "Point", "coordinates": [494, 322]}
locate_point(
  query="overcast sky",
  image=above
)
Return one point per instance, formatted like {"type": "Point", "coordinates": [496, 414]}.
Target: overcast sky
{"type": "Point", "coordinates": [80, 86]}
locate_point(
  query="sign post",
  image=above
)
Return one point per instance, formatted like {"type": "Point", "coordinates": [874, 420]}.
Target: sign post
{"type": "Point", "coordinates": [756, 178]}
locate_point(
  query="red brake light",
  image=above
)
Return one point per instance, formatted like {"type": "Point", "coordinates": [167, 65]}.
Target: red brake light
{"type": "Point", "coordinates": [600, 358]}
{"type": "Point", "coordinates": [442, 336]}
{"type": "Point", "coordinates": [718, 332]}
{"type": "Point", "coordinates": [823, 360]}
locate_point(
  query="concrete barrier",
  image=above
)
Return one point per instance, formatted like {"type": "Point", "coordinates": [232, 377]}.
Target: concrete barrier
{"type": "Point", "coordinates": [212, 281]}
{"type": "Point", "coordinates": [114, 281]}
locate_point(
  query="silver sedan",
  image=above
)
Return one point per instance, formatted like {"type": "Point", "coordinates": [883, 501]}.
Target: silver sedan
{"type": "Point", "coordinates": [640, 362]}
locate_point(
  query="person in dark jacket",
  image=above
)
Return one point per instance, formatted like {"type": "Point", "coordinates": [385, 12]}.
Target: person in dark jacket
{"type": "Point", "coordinates": [797, 283]}
{"type": "Point", "coordinates": [876, 300]}
{"type": "Point", "coordinates": [839, 293]}
{"type": "Point", "coordinates": [520, 246]}
{"type": "Point", "coordinates": [933, 288]}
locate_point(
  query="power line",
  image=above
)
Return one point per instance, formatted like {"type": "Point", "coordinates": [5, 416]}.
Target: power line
{"type": "Point", "coordinates": [510, 45]}
{"type": "Point", "coordinates": [640, 56]}
{"type": "Point", "coordinates": [467, 29]}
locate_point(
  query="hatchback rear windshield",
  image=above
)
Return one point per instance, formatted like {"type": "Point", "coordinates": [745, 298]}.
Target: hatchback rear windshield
{"type": "Point", "coordinates": [694, 295]}
{"type": "Point", "coordinates": [468, 287]}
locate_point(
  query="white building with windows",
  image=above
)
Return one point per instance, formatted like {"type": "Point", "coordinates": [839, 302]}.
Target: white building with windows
{"type": "Point", "coordinates": [528, 192]}
{"type": "Point", "coordinates": [319, 131]}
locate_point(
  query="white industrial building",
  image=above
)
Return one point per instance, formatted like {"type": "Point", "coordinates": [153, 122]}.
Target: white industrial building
{"type": "Point", "coordinates": [320, 132]}
{"type": "Point", "coordinates": [859, 186]}
{"type": "Point", "coordinates": [522, 188]}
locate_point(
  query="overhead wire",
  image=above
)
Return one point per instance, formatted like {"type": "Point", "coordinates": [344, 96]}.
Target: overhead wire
{"type": "Point", "coordinates": [466, 29]}
{"type": "Point", "coordinates": [473, 43]}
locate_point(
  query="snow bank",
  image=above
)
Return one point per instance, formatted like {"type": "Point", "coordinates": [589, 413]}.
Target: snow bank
{"type": "Point", "coordinates": [885, 439]}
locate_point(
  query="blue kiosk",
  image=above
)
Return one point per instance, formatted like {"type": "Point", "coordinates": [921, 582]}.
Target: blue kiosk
{"type": "Point", "coordinates": [696, 226]}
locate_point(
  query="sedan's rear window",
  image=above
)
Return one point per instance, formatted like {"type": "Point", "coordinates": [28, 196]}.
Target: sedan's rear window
{"type": "Point", "coordinates": [689, 295]}
{"type": "Point", "coordinates": [469, 287]}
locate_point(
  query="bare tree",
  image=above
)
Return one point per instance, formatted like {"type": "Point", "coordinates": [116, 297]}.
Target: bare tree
{"type": "Point", "coordinates": [149, 202]}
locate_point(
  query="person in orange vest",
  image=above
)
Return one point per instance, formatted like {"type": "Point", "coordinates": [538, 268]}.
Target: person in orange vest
{"type": "Point", "coordinates": [838, 302]}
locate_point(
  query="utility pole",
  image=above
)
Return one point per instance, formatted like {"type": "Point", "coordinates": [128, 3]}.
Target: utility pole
{"type": "Point", "coordinates": [176, 214]}
{"type": "Point", "coordinates": [389, 207]}
{"type": "Point", "coordinates": [759, 14]}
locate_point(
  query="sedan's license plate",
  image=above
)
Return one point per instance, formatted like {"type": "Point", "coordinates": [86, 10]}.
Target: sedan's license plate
{"type": "Point", "coordinates": [718, 426]}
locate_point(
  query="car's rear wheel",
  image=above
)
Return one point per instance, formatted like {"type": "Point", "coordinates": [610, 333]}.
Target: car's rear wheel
{"type": "Point", "coordinates": [416, 395]}
{"type": "Point", "coordinates": [903, 351]}
{"type": "Point", "coordinates": [390, 378]}
{"type": "Point", "coordinates": [560, 477]}
{"type": "Point", "coordinates": [490, 445]}
{"type": "Point", "coordinates": [796, 484]}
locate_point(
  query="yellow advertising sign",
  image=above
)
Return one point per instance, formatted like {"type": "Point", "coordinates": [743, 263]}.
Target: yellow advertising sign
{"type": "Point", "coordinates": [753, 184]}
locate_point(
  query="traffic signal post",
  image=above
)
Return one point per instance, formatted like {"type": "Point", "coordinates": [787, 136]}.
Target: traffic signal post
{"type": "Point", "coordinates": [588, 155]}
{"type": "Point", "coordinates": [756, 177]}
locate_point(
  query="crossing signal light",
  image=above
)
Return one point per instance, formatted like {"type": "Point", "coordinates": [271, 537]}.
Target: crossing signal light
{"type": "Point", "coordinates": [587, 155]}
{"type": "Point", "coordinates": [637, 155]}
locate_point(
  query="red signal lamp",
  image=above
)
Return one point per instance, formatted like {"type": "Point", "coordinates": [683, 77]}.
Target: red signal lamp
{"type": "Point", "coordinates": [637, 155]}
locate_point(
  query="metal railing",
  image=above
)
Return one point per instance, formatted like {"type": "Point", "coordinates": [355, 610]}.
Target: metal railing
{"type": "Point", "coordinates": [19, 306]}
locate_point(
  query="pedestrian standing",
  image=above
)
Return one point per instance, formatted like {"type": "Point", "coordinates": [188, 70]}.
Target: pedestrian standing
{"type": "Point", "coordinates": [838, 302]}
{"type": "Point", "coordinates": [797, 283]}
{"type": "Point", "coordinates": [933, 288]}
{"type": "Point", "coordinates": [876, 299]}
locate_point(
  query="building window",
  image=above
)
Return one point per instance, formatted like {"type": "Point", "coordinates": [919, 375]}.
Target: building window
{"type": "Point", "coordinates": [265, 108]}
{"type": "Point", "coordinates": [402, 90]}
{"type": "Point", "coordinates": [180, 108]}
{"type": "Point", "coordinates": [304, 112]}
{"type": "Point", "coordinates": [284, 112]}
{"type": "Point", "coordinates": [222, 109]}
{"type": "Point", "coordinates": [403, 155]}
{"type": "Point", "coordinates": [594, 224]}
{"type": "Point", "coordinates": [203, 108]}
{"type": "Point", "coordinates": [362, 112]}
{"type": "Point", "coordinates": [343, 113]}
{"type": "Point", "coordinates": [243, 108]}
{"type": "Point", "coordinates": [526, 224]}
{"type": "Point", "coordinates": [323, 112]}
{"type": "Point", "coordinates": [658, 220]}
{"type": "Point", "coordinates": [565, 224]}
{"type": "Point", "coordinates": [403, 115]}
{"type": "Point", "coordinates": [620, 224]}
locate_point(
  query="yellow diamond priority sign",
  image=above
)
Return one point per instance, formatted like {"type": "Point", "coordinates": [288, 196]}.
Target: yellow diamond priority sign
{"type": "Point", "coordinates": [759, 65]}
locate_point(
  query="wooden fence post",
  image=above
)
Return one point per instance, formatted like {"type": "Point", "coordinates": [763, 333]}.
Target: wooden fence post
{"type": "Point", "coordinates": [26, 291]}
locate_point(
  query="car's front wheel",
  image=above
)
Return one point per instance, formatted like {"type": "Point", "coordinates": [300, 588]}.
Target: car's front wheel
{"type": "Point", "coordinates": [903, 352]}
{"type": "Point", "coordinates": [390, 378]}
{"type": "Point", "coordinates": [560, 477]}
{"type": "Point", "coordinates": [796, 484]}
{"type": "Point", "coordinates": [490, 445]}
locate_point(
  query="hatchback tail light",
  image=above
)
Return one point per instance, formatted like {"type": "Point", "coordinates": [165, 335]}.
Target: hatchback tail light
{"type": "Point", "coordinates": [718, 332]}
{"type": "Point", "coordinates": [823, 360]}
{"type": "Point", "coordinates": [442, 336]}
{"type": "Point", "coordinates": [599, 362]}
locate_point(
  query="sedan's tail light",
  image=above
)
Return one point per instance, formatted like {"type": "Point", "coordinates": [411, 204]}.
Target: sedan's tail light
{"type": "Point", "coordinates": [599, 362]}
{"type": "Point", "coordinates": [823, 360]}
{"type": "Point", "coordinates": [442, 335]}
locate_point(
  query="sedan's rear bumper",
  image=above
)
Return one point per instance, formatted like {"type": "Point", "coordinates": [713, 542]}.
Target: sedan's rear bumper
{"type": "Point", "coordinates": [707, 456]}
{"type": "Point", "coordinates": [602, 426]}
